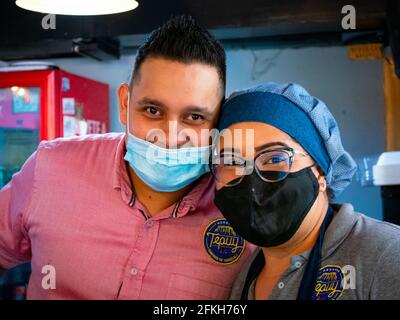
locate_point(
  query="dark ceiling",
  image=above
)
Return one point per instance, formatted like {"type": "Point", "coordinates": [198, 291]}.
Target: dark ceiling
{"type": "Point", "coordinates": [277, 23]}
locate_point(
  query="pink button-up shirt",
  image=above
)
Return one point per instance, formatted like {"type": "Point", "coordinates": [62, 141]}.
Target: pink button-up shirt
{"type": "Point", "coordinates": [71, 207]}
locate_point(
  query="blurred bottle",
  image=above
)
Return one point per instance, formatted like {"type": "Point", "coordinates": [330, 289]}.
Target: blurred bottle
{"type": "Point", "coordinates": [386, 174]}
{"type": "Point", "coordinates": [364, 172]}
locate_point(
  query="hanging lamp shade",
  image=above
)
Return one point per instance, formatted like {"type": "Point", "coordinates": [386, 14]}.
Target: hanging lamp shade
{"type": "Point", "coordinates": [78, 7]}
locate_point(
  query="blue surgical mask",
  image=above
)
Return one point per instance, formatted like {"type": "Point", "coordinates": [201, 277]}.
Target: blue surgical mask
{"type": "Point", "coordinates": [166, 170]}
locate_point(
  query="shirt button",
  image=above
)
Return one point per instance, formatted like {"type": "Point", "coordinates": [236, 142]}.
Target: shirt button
{"type": "Point", "coordinates": [149, 223]}
{"type": "Point", "coordinates": [281, 285]}
{"type": "Point", "coordinates": [134, 272]}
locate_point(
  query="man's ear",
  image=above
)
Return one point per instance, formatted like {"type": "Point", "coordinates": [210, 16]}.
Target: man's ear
{"type": "Point", "coordinates": [123, 93]}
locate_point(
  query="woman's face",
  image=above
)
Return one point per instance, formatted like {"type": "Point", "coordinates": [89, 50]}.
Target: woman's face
{"type": "Point", "coordinates": [247, 139]}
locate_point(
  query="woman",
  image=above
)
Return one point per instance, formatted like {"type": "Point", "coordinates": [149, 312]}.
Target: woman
{"type": "Point", "coordinates": [280, 197]}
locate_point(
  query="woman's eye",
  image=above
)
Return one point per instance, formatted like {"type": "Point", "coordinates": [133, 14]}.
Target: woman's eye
{"type": "Point", "coordinates": [275, 160]}
{"type": "Point", "coordinates": [153, 111]}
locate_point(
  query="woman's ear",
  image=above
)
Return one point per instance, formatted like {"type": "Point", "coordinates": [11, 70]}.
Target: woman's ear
{"type": "Point", "coordinates": [322, 183]}
{"type": "Point", "coordinates": [321, 179]}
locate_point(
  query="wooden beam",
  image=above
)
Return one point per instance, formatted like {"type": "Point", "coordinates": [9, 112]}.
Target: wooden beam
{"type": "Point", "coordinates": [392, 105]}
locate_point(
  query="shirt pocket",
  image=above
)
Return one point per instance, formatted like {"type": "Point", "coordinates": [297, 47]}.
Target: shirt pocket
{"type": "Point", "coordinates": [182, 287]}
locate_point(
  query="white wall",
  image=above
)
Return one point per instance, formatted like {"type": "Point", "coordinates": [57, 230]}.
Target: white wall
{"type": "Point", "coordinates": [352, 89]}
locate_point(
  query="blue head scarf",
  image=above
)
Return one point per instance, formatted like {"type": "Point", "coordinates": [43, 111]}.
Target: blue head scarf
{"type": "Point", "coordinates": [290, 108]}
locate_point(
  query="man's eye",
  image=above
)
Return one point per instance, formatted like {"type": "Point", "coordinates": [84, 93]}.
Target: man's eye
{"type": "Point", "coordinates": [195, 117]}
{"type": "Point", "coordinates": [153, 111]}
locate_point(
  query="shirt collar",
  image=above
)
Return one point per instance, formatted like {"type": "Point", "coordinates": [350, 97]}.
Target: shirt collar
{"type": "Point", "coordinates": [120, 173]}
{"type": "Point", "coordinates": [342, 224]}
{"type": "Point", "coordinates": [200, 195]}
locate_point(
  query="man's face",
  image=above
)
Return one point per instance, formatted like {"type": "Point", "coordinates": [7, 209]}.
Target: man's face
{"type": "Point", "coordinates": [180, 100]}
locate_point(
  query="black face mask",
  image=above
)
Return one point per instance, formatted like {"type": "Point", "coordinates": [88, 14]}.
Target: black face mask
{"type": "Point", "coordinates": [268, 214]}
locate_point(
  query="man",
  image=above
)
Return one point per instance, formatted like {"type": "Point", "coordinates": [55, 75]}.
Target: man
{"type": "Point", "coordinates": [101, 219]}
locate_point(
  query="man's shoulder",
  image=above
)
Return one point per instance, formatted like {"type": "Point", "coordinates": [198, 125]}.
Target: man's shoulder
{"type": "Point", "coordinates": [79, 152]}
{"type": "Point", "coordinates": [81, 143]}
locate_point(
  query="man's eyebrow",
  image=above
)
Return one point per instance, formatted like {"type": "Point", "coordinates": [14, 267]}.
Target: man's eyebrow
{"type": "Point", "coordinates": [148, 101]}
{"type": "Point", "coordinates": [270, 144]}
{"type": "Point", "coordinates": [189, 109]}
{"type": "Point", "coordinates": [198, 109]}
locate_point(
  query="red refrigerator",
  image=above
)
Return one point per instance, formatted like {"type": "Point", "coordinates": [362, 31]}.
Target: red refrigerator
{"type": "Point", "coordinates": [42, 103]}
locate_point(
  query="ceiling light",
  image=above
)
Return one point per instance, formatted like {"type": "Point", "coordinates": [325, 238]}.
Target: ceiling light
{"type": "Point", "coordinates": [78, 7]}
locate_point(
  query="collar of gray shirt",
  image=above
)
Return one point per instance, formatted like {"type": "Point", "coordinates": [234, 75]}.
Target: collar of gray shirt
{"type": "Point", "coordinates": [351, 239]}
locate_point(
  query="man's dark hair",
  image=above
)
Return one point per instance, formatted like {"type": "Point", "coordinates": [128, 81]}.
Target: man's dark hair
{"type": "Point", "coordinates": [181, 39]}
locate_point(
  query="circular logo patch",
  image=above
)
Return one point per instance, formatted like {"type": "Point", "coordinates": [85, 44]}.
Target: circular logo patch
{"type": "Point", "coordinates": [222, 243]}
{"type": "Point", "coordinates": [330, 283]}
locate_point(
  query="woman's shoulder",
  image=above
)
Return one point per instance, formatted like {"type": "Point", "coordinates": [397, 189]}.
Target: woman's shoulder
{"type": "Point", "coordinates": [369, 241]}
{"type": "Point", "coordinates": [380, 232]}
{"type": "Point", "coordinates": [363, 227]}
{"type": "Point", "coordinates": [379, 244]}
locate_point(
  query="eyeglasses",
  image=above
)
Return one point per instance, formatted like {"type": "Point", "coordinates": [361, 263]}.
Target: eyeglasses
{"type": "Point", "coordinates": [270, 165]}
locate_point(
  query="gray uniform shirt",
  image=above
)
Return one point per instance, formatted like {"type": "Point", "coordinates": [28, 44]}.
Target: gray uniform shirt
{"type": "Point", "coordinates": [360, 259]}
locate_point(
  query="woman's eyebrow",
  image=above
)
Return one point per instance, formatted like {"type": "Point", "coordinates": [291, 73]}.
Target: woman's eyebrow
{"type": "Point", "coordinates": [259, 148]}
{"type": "Point", "coordinates": [270, 144]}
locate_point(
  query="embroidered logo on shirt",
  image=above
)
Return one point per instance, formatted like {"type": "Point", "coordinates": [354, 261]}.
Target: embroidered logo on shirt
{"type": "Point", "coordinates": [330, 283]}
{"type": "Point", "coordinates": [222, 243]}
